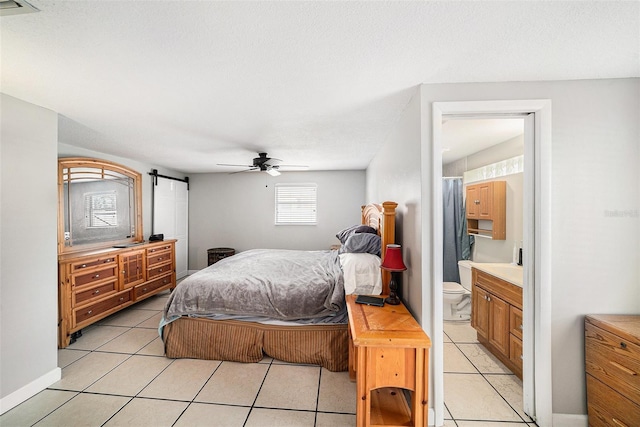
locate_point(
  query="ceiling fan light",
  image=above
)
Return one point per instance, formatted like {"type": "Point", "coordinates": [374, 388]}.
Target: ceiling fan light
{"type": "Point", "coordinates": [272, 172]}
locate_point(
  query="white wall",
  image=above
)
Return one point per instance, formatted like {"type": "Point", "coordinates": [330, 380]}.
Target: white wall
{"type": "Point", "coordinates": [28, 250]}
{"type": "Point", "coordinates": [595, 204]}
{"type": "Point", "coordinates": [394, 175]}
{"type": "Point", "coordinates": [66, 150]}
{"type": "Point", "coordinates": [238, 211]}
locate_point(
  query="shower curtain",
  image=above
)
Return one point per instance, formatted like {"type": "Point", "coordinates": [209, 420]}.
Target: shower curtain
{"type": "Point", "coordinates": [456, 242]}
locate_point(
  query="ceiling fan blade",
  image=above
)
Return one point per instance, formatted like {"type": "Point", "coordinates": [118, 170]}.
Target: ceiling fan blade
{"type": "Point", "coordinates": [238, 166]}
{"type": "Point", "coordinates": [292, 166]}
{"type": "Point", "coordinates": [246, 170]}
{"type": "Point", "coordinates": [273, 161]}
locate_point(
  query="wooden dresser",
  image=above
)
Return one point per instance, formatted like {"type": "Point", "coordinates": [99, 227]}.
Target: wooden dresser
{"type": "Point", "coordinates": [612, 359]}
{"type": "Point", "coordinates": [94, 284]}
{"type": "Point", "coordinates": [388, 353]}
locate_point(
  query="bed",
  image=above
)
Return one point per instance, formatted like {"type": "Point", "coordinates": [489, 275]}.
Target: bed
{"type": "Point", "coordinates": [229, 311]}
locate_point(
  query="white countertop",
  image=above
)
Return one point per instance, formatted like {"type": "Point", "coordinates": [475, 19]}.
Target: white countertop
{"type": "Point", "coordinates": [510, 272]}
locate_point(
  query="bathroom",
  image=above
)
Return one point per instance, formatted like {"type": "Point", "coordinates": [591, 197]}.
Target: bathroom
{"type": "Point", "coordinates": [483, 153]}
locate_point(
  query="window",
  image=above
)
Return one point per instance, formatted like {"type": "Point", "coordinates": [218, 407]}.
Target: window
{"type": "Point", "coordinates": [100, 210]}
{"type": "Point", "coordinates": [296, 204]}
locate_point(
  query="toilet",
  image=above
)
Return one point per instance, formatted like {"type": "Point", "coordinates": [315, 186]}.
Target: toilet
{"type": "Point", "coordinates": [457, 296]}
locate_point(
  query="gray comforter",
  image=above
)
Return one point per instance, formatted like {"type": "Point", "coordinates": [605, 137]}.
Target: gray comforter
{"type": "Point", "coordinates": [280, 284]}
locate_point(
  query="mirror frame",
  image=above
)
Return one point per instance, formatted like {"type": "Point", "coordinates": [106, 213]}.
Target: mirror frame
{"type": "Point", "coordinates": [87, 162]}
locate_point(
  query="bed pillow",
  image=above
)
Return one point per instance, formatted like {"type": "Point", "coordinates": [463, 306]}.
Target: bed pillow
{"type": "Point", "coordinates": [362, 243]}
{"type": "Point", "coordinates": [365, 229]}
{"type": "Point", "coordinates": [361, 274]}
{"type": "Point", "coordinates": [343, 235]}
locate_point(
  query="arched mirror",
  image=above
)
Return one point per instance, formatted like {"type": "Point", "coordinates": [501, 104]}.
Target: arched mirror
{"type": "Point", "coordinates": [99, 204]}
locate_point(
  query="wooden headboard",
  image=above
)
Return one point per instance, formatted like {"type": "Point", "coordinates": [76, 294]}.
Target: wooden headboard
{"type": "Point", "coordinates": [382, 218]}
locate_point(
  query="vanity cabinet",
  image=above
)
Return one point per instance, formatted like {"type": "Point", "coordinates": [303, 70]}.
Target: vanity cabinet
{"type": "Point", "coordinates": [486, 207]}
{"type": "Point", "coordinates": [496, 311]}
{"type": "Point", "coordinates": [612, 361]}
{"type": "Point", "coordinates": [95, 284]}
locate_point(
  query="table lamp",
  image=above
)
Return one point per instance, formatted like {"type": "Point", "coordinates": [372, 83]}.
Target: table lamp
{"type": "Point", "coordinates": [393, 263]}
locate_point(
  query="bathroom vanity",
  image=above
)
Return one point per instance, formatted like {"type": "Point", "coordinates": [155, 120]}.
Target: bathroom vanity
{"type": "Point", "coordinates": [496, 312]}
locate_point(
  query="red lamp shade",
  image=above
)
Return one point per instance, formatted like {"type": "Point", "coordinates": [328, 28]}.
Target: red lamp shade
{"type": "Point", "coordinates": [393, 259]}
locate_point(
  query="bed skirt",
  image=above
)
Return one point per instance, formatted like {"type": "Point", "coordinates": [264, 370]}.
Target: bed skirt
{"type": "Point", "coordinates": [238, 341]}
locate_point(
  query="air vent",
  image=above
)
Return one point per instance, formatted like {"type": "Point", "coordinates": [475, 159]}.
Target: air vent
{"type": "Point", "coordinates": [15, 7]}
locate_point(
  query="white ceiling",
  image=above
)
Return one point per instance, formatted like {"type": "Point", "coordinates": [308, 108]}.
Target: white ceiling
{"type": "Point", "coordinates": [461, 138]}
{"type": "Point", "coordinates": [188, 84]}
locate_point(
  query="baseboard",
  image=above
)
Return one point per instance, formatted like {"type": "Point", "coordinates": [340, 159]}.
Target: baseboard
{"type": "Point", "coordinates": [34, 387]}
{"type": "Point", "coordinates": [570, 420]}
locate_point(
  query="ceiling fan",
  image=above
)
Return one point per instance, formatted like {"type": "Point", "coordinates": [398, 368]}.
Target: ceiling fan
{"type": "Point", "coordinates": [263, 163]}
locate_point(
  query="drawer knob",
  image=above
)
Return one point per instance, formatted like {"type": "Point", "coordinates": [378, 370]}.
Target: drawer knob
{"type": "Point", "coordinates": [89, 312]}
{"type": "Point", "coordinates": [121, 298]}
{"type": "Point", "coordinates": [97, 292]}
{"type": "Point", "coordinates": [160, 270]}
{"type": "Point", "coordinates": [144, 289]}
{"type": "Point", "coordinates": [623, 345]}
{"type": "Point", "coordinates": [521, 327]}
{"type": "Point", "coordinates": [83, 266]}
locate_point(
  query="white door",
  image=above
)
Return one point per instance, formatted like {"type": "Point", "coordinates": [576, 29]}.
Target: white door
{"type": "Point", "coordinates": [171, 218]}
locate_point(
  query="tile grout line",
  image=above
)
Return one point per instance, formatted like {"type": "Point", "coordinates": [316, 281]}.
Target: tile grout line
{"type": "Point", "coordinates": [485, 378]}
{"type": "Point", "coordinates": [255, 399]}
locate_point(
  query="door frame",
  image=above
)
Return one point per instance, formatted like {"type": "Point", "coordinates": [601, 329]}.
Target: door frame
{"type": "Point", "coordinates": [537, 384]}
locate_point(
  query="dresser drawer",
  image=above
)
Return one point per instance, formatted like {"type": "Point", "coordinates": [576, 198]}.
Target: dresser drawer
{"type": "Point", "coordinates": [158, 271]}
{"type": "Point", "coordinates": [607, 408]}
{"type": "Point", "coordinates": [159, 248]}
{"type": "Point", "coordinates": [81, 265]}
{"type": "Point", "coordinates": [93, 310]}
{"type": "Point", "coordinates": [149, 287]}
{"type": "Point", "coordinates": [613, 360]}
{"type": "Point", "coordinates": [98, 291]}
{"type": "Point", "coordinates": [515, 350]}
{"type": "Point", "coordinates": [515, 321]}
{"type": "Point", "coordinates": [158, 258]}
{"type": "Point", "coordinates": [95, 276]}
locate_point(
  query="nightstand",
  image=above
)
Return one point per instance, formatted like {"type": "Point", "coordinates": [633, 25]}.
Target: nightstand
{"type": "Point", "coordinates": [388, 355]}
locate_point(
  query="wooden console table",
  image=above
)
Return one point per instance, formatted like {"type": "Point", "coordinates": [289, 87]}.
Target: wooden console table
{"type": "Point", "coordinates": [388, 353]}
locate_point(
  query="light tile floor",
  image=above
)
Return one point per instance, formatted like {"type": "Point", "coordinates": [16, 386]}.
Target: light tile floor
{"type": "Point", "coordinates": [116, 374]}
{"type": "Point", "coordinates": [478, 389]}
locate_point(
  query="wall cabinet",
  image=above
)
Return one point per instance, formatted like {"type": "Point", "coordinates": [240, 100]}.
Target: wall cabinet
{"type": "Point", "coordinates": [95, 284]}
{"type": "Point", "coordinates": [612, 361]}
{"type": "Point", "coordinates": [496, 312]}
{"type": "Point", "coordinates": [486, 207]}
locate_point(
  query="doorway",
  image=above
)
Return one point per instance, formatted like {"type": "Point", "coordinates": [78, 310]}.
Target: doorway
{"type": "Point", "coordinates": [536, 243]}
{"type": "Point", "coordinates": [481, 382]}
